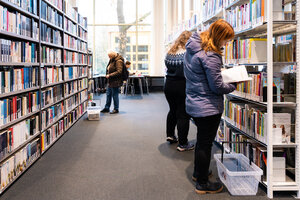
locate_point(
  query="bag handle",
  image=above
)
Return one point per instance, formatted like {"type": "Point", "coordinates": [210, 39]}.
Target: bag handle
{"type": "Point", "coordinates": [249, 144]}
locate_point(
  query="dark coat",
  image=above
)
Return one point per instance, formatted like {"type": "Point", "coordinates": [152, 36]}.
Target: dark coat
{"type": "Point", "coordinates": [204, 84]}
{"type": "Point", "coordinates": [115, 71]}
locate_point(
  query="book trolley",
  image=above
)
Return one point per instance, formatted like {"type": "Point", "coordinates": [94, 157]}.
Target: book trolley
{"type": "Point", "coordinates": [44, 79]}
{"type": "Point", "coordinates": [264, 111]}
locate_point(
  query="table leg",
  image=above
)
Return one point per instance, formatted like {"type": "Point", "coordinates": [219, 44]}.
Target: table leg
{"type": "Point", "coordinates": [141, 86]}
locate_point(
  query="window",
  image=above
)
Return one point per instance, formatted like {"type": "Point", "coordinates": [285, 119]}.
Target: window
{"type": "Point", "coordinates": [128, 32]}
{"type": "Point", "coordinates": [143, 48]}
{"type": "Point", "coordinates": [143, 57]}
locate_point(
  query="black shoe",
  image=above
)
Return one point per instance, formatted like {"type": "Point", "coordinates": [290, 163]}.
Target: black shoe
{"type": "Point", "coordinates": [115, 111]}
{"type": "Point", "coordinates": [209, 175]}
{"type": "Point", "coordinates": [105, 110]}
{"type": "Point", "coordinates": [172, 140]}
{"type": "Point", "coordinates": [209, 187]}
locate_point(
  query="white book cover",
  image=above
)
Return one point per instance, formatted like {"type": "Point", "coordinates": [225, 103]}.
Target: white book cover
{"type": "Point", "coordinates": [235, 74]}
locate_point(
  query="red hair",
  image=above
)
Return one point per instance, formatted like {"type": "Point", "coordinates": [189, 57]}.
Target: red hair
{"type": "Point", "coordinates": [218, 31]}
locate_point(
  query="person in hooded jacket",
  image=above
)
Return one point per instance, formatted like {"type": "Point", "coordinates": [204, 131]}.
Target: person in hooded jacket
{"type": "Point", "coordinates": [175, 94]}
{"type": "Point", "coordinates": [204, 90]}
{"type": "Point", "coordinates": [114, 80]}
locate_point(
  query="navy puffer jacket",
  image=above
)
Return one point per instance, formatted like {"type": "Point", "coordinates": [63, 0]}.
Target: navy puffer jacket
{"type": "Point", "coordinates": [204, 84]}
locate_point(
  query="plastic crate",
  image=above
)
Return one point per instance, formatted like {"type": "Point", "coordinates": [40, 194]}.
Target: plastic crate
{"type": "Point", "coordinates": [238, 175]}
{"type": "Point", "coordinates": [93, 110]}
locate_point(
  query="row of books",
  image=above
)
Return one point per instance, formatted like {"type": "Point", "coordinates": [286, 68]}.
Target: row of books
{"type": "Point", "coordinates": [51, 134]}
{"type": "Point", "coordinates": [51, 15]}
{"type": "Point", "coordinates": [74, 115]}
{"type": "Point", "coordinates": [82, 71]}
{"type": "Point", "coordinates": [252, 120]}
{"type": "Point", "coordinates": [82, 21]}
{"type": "Point", "coordinates": [71, 102]}
{"type": "Point", "coordinates": [82, 33]}
{"type": "Point", "coordinates": [18, 106]}
{"type": "Point", "coordinates": [82, 58]}
{"type": "Point", "coordinates": [51, 55]}
{"type": "Point", "coordinates": [52, 114]}
{"type": "Point", "coordinates": [211, 7]}
{"type": "Point", "coordinates": [70, 11]}
{"type": "Point", "coordinates": [17, 23]}
{"type": "Point", "coordinates": [90, 72]}
{"type": "Point", "coordinates": [240, 17]}
{"type": "Point", "coordinates": [15, 51]}
{"type": "Point", "coordinates": [82, 83]}
{"type": "Point", "coordinates": [70, 42]}
{"type": "Point", "coordinates": [91, 85]}
{"type": "Point", "coordinates": [70, 57]}
{"type": "Point", "coordinates": [71, 73]}
{"type": "Point", "coordinates": [16, 164]}
{"type": "Point", "coordinates": [83, 96]}
{"type": "Point", "coordinates": [13, 137]}
{"type": "Point", "coordinates": [254, 50]}
{"type": "Point", "coordinates": [57, 3]}
{"type": "Point", "coordinates": [70, 26]}
{"type": "Point", "coordinates": [70, 87]}
{"type": "Point", "coordinates": [29, 5]}
{"type": "Point", "coordinates": [51, 75]}
{"type": "Point", "coordinates": [50, 35]}
{"type": "Point", "coordinates": [17, 79]}
{"type": "Point", "coordinates": [51, 95]}
{"type": "Point", "coordinates": [82, 46]}
{"type": "Point", "coordinates": [90, 59]}
{"type": "Point", "coordinates": [284, 87]}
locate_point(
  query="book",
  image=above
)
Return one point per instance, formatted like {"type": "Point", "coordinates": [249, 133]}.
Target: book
{"type": "Point", "coordinates": [51, 134]}
{"type": "Point", "coordinates": [82, 83]}
{"type": "Point", "coordinates": [70, 87]}
{"type": "Point", "coordinates": [51, 55]}
{"type": "Point", "coordinates": [82, 33]}
{"type": "Point", "coordinates": [82, 58]}
{"type": "Point", "coordinates": [71, 73]}
{"type": "Point", "coordinates": [70, 42]}
{"type": "Point", "coordinates": [51, 74]}
{"type": "Point", "coordinates": [50, 35]}
{"type": "Point", "coordinates": [51, 114]}
{"type": "Point", "coordinates": [51, 15]}
{"type": "Point", "coordinates": [29, 5]}
{"type": "Point", "coordinates": [235, 74]}
{"type": "Point", "coordinates": [51, 95]}
{"type": "Point", "coordinates": [82, 71]}
{"type": "Point", "coordinates": [81, 46]}
{"type": "Point", "coordinates": [70, 27]}
{"type": "Point", "coordinates": [70, 57]}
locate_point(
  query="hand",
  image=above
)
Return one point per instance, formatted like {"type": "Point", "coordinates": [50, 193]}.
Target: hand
{"type": "Point", "coordinates": [107, 76]}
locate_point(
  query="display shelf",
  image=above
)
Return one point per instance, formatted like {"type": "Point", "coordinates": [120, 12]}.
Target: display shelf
{"type": "Point", "coordinates": [279, 28]}
{"type": "Point", "coordinates": [75, 121]}
{"type": "Point", "coordinates": [51, 104]}
{"type": "Point", "coordinates": [70, 49]}
{"type": "Point", "coordinates": [53, 6]}
{"type": "Point", "coordinates": [19, 9]}
{"type": "Point", "coordinates": [18, 92]}
{"type": "Point", "coordinates": [20, 147]}
{"type": "Point", "coordinates": [217, 15]}
{"type": "Point", "coordinates": [51, 124]}
{"type": "Point", "coordinates": [18, 64]}
{"type": "Point", "coordinates": [52, 143]}
{"type": "Point", "coordinates": [9, 124]}
{"type": "Point", "coordinates": [17, 36]}
{"type": "Point", "coordinates": [52, 45]}
{"type": "Point", "coordinates": [276, 104]}
{"type": "Point", "coordinates": [52, 25]}
{"type": "Point", "coordinates": [71, 34]}
{"type": "Point", "coordinates": [69, 18]}
{"type": "Point", "coordinates": [19, 175]}
{"type": "Point", "coordinates": [52, 84]}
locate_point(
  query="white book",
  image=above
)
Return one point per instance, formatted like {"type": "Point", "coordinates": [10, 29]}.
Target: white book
{"type": "Point", "coordinates": [235, 74]}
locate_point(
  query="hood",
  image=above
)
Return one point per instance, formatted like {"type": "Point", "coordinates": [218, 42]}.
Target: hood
{"type": "Point", "coordinates": [119, 57]}
{"type": "Point", "coordinates": [193, 45]}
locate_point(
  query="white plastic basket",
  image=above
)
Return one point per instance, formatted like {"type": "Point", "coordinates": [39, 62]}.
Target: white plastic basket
{"type": "Point", "coordinates": [93, 111]}
{"type": "Point", "coordinates": [238, 176]}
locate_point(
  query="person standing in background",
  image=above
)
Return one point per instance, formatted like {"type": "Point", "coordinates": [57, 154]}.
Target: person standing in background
{"type": "Point", "coordinates": [205, 89]}
{"type": "Point", "coordinates": [175, 94]}
{"type": "Point", "coordinates": [114, 80]}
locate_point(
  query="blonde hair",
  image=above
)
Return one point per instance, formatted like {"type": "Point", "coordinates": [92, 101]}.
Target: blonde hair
{"type": "Point", "coordinates": [180, 41]}
{"type": "Point", "coordinates": [219, 31]}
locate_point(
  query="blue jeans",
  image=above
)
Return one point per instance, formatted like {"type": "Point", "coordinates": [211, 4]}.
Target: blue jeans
{"type": "Point", "coordinates": [112, 93]}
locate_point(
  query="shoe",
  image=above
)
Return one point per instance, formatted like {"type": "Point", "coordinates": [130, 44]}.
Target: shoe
{"type": "Point", "coordinates": [115, 111]}
{"type": "Point", "coordinates": [105, 110]}
{"type": "Point", "coordinates": [186, 147]}
{"type": "Point", "coordinates": [195, 179]}
{"type": "Point", "coordinates": [208, 187]}
{"type": "Point", "coordinates": [172, 139]}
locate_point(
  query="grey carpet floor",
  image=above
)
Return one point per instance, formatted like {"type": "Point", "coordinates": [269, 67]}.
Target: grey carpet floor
{"type": "Point", "coordinates": [122, 156]}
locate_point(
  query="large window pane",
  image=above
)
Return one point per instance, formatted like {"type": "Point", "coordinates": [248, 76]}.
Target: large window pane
{"type": "Point", "coordinates": [85, 8]}
{"type": "Point", "coordinates": [115, 11]}
{"type": "Point", "coordinates": [145, 11]}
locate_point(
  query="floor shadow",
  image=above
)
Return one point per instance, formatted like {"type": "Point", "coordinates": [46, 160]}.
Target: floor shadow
{"type": "Point", "coordinates": [170, 151]}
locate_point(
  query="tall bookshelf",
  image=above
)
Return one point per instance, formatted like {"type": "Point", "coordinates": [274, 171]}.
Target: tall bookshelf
{"type": "Point", "coordinates": [42, 107]}
{"type": "Point", "coordinates": [275, 35]}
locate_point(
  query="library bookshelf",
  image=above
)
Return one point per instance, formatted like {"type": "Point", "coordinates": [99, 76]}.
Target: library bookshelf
{"type": "Point", "coordinates": [44, 80]}
{"type": "Point", "coordinates": [274, 98]}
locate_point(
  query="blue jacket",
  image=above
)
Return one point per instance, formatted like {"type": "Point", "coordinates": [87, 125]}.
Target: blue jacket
{"type": "Point", "coordinates": [204, 84]}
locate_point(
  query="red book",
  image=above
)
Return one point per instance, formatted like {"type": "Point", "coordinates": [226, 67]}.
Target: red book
{"type": "Point", "coordinates": [29, 102]}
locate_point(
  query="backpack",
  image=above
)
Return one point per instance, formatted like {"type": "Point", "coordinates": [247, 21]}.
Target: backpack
{"type": "Point", "coordinates": [125, 73]}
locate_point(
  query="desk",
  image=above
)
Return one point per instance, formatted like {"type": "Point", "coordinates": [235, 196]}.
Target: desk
{"type": "Point", "coordinates": [140, 79]}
